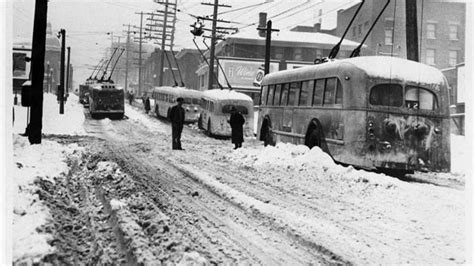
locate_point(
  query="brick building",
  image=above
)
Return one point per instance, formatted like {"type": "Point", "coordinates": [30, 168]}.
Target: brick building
{"type": "Point", "coordinates": [441, 24]}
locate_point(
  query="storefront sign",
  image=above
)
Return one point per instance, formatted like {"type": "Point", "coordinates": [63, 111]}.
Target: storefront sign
{"type": "Point", "coordinates": [240, 73]}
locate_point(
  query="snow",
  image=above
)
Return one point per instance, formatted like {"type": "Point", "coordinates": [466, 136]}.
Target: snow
{"type": "Point", "coordinates": [374, 66]}
{"type": "Point", "coordinates": [31, 162]}
{"type": "Point", "coordinates": [226, 95]}
{"type": "Point", "coordinates": [69, 123]}
{"type": "Point", "coordinates": [48, 161]}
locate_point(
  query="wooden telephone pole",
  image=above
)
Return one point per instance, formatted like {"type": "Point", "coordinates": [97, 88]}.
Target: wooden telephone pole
{"type": "Point", "coordinates": [35, 126]}
{"type": "Point", "coordinates": [213, 40]}
{"type": "Point", "coordinates": [411, 31]}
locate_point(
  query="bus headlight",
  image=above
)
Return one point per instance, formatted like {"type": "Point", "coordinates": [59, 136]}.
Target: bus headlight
{"type": "Point", "coordinates": [195, 109]}
{"type": "Point", "coordinates": [187, 109]}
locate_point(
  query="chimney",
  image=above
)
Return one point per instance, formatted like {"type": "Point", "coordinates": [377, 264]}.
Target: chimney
{"type": "Point", "coordinates": [317, 27]}
{"type": "Point", "coordinates": [262, 23]}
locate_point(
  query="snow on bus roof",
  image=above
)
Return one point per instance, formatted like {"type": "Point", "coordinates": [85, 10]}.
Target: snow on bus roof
{"type": "Point", "coordinates": [397, 68]}
{"type": "Point", "coordinates": [374, 66]}
{"type": "Point", "coordinates": [226, 94]}
{"type": "Point", "coordinates": [182, 91]}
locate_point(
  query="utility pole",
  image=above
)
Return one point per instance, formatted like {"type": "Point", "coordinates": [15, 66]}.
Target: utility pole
{"type": "Point", "coordinates": [37, 66]}
{"type": "Point", "coordinates": [213, 41]}
{"type": "Point", "coordinates": [411, 30]}
{"type": "Point", "coordinates": [61, 77]}
{"type": "Point", "coordinates": [213, 46]}
{"type": "Point", "coordinates": [126, 60]}
{"type": "Point", "coordinates": [163, 41]}
{"type": "Point", "coordinates": [268, 43]}
{"type": "Point", "coordinates": [161, 26]}
{"type": "Point", "coordinates": [67, 73]}
{"type": "Point", "coordinates": [140, 57]}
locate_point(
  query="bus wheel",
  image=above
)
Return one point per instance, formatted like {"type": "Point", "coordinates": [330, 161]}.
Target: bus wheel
{"type": "Point", "coordinates": [314, 134]}
{"type": "Point", "coordinates": [209, 132]}
{"type": "Point", "coordinates": [168, 114]}
{"type": "Point", "coordinates": [266, 132]}
{"type": "Point", "coordinates": [156, 111]}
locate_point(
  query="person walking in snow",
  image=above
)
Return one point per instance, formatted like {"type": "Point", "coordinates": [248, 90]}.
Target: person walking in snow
{"type": "Point", "coordinates": [236, 122]}
{"type": "Point", "coordinates": [176, 117]}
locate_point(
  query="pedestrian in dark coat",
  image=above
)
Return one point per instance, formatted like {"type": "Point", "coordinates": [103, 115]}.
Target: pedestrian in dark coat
{"type": "Point", "coordinates": [176, 117]}
{"type": "Point", "coordinates": [236, 123]}
{"type": "Point", "coordinates": [147, 105]}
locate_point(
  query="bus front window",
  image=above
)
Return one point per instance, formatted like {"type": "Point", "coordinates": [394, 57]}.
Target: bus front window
{"type": "Point", "coordinates": [241, 109]}
{"type": "Point", "coordinates": [386, 95]}
{"type": "Point", "coordinates": [420, 98]}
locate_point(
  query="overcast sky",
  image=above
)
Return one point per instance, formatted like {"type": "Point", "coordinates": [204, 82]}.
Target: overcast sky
{"type": "Point", "coordinates": [88, 21]}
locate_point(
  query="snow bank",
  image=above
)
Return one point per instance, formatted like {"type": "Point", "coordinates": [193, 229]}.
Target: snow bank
{"type": "Point", "coordinates": [69, 123]}
{"type": "Point", "coordinates": [46, 161]}
{"type": "Point", "coordinates": [461, 149]}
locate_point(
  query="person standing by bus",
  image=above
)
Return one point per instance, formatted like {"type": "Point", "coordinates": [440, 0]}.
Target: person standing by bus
{"type": "Point", "coordinates": [147, 104]}
{"type": "Point", "coordinates": [177, 121]}
{"type": "Point", "coordinates": [236, 122]}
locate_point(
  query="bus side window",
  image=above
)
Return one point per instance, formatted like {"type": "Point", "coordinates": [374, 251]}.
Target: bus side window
{"type": "Point", "coordinates": [271, 91]}
{"type": "Point", "coordinates": [284, 94]}
{"type": "Point", "coordinates": [294, 91]}
{"type": "Point", "coordinates": [318, 91]}
{"type": "Point", "coordinates": [276, 97]}
{"type": "Point", "coordinates": [306, 87]}
{"type": "Point", "coordinates": [211, 107]}
{"type": "Point", "coordinates": [329, 97]}
{"type": "Point", "coordinates": [339, 92]}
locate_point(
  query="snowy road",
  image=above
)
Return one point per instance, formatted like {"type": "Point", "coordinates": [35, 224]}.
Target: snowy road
{"type": "Point", "coordinates": [129, 198]}
{"type": "Point", "coordinates": [229, 207]}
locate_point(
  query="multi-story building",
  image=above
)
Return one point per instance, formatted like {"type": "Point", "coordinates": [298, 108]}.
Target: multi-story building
{"type": "Point", "coordinates": [240, 56]}
{"type": "Point", "coordinates": [441, 25]}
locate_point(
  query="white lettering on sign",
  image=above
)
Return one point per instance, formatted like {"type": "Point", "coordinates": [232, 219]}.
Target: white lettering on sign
{"type": "Point", "coordinates": [240, 71]}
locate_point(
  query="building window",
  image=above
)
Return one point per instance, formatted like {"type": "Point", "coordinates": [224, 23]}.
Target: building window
{"type": "Point", "coordinates": [298, 54]}
{"type": "Point", "coordinates": [388, 36]}
{"type": "Point", "coordinates": [453, 32]}
{"type": "Point", "coordinates": [431, 31]}
{"type": "Point", "coordinates": [430, 56]}
{"type": "Point", "coordinates": [453, 58]}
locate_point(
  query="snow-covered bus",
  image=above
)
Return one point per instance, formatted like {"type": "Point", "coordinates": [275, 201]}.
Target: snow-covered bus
{"type": "Point", "coordinates": [374, 112]}
{"type": "Point", "coordinates": [106, 100]}
{"type": "Point", "coordinates": [165, 98]}
{"type": "Point", "coordinates": [216, 105]}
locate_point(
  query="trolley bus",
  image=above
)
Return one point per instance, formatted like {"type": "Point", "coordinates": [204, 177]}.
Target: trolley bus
{"type": "Point", "coordinates": [165, 98]}
{"type": "Point", "coordinates": [106, 100]}
{"type": "Point", "coordinates": [216, 105]}
{"type": "Point", "coordinates": [374, 112]}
